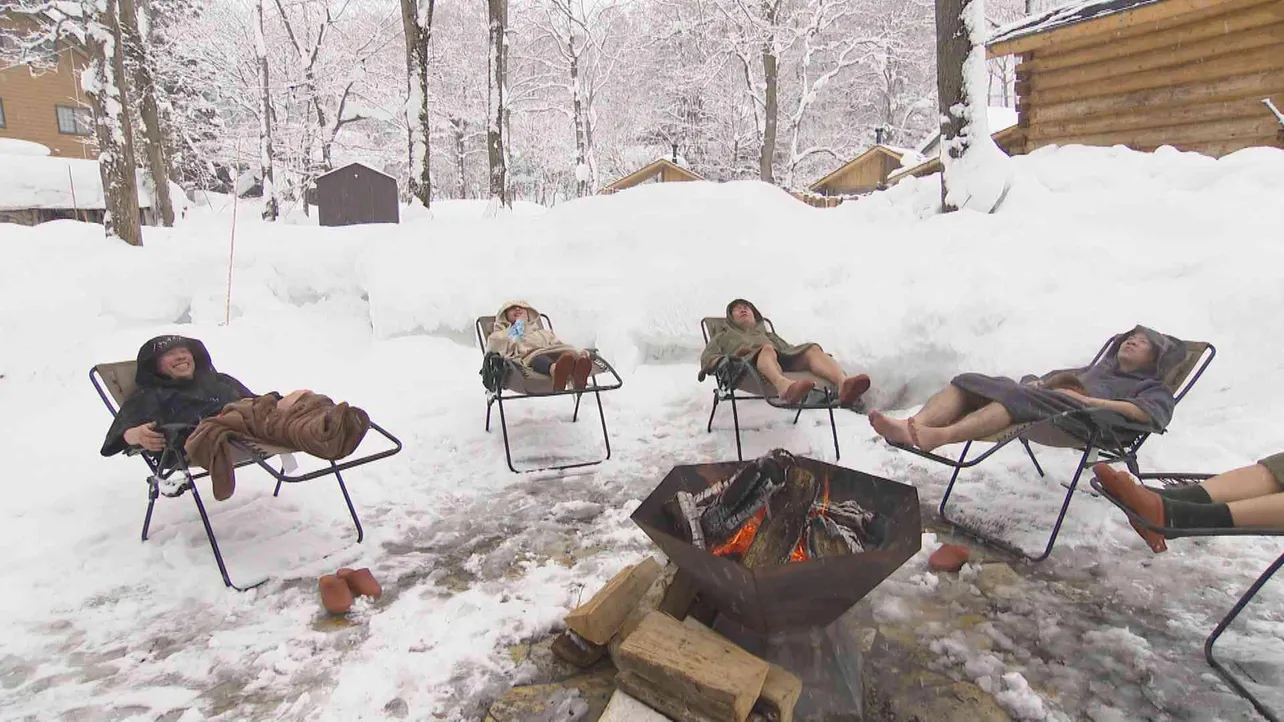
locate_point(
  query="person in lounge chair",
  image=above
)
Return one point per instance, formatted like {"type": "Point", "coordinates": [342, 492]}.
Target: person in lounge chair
{"type": "Point", "coordinates": [747, 337]}
{"type": "Point", "coordinates": [1250, 496]}
{"type": "Point", "coordinates": [1127, 381]}
{"type": "Point", "coordinates": [519, 334]}
{"type": "Point", "coordinates": [177, 384]}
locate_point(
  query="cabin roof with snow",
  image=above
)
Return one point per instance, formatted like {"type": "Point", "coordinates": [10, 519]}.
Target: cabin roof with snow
{"type": "Point", "coordinates": [663, 170]}
{"type": "Point", "coordinates": [1191, 74]}
{"type": "Point", "coordinates": [45, 182]}
{"type": "Point", "coordinates": [865, 173]}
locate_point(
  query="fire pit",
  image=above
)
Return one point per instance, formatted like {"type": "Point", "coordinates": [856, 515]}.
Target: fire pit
{"type": "Point", "coordinates": [808, 591]}
{"type": "Point", "coordinates": [781, 598]}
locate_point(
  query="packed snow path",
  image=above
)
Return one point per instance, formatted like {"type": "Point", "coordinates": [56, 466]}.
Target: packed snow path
{"type": "Point", "coordinates": [474, 559]}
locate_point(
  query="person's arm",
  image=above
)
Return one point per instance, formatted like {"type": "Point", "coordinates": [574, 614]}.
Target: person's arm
{"type": "Point", "coordinates": [1127, 409]}
{"type": "Point", "coordinates": [133, 426]}
{"type": "Point", "coordinates": [712, 352]}
{"type": "Point", "coordinates": [499, 342]}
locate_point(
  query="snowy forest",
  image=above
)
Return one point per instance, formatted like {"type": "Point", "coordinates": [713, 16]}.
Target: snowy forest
{"type": "Point", "coordinates": [239, 93]}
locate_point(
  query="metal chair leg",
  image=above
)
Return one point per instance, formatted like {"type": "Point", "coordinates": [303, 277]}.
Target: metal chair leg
{"type": "Point", "coordinates": [1030, 452]}
{"type": "Point", "coordinates": [152, 493]}
{"type": "Point", "coordinates": [833, 427]}
{"type": "Point", "coordinates": [798, 415]}
{"type": "Point", "coordinates": [503, 426]}
{"type": "Point", "coordinates": [576, 416]}
{"type": "Point", "coordinates": [361, 534]}
{"type": "Point", "coordinates": [218, 555]}
{"type": "Point", "coordinates": [716, 398]}
{"type": "Point", "coordinates": [489, 403]}
{"type": "Point", "coordinates": [606, 437]}
{"type": "Point", "coordinates": [735, 417]}
{"type": "Point", "coordinates": [1216, 664]}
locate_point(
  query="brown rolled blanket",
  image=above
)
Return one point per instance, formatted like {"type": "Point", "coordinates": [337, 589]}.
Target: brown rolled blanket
{"type": "Point", "coordinates": [314, 424]}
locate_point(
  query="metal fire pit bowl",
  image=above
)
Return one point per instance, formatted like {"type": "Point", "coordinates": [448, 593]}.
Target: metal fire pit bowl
{"type": "Point", "coordinates": [810, 593]}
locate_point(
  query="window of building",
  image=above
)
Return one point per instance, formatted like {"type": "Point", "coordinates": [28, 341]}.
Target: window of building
{"type": "Point", "coordinates": [74, 121]}
{"type": "Point", "coordinates": [2, 121]}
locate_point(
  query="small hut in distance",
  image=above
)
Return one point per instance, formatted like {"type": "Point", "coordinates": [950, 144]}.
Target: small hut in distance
{"type": "Point", "coordinates": [659, 171]}
{"type": "Point", "coordinates": [355, 194]}
{"type": "Point", "coordinates": [865, 173]}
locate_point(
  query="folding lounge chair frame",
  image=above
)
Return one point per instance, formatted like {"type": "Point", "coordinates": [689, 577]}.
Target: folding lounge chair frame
{"type": "Point", "coordinates": [753, 387]}
{"type": "Point", "coordinates": [524, 383]}
{"type": "Point", "coordinates": [1110, 437]}
{"type": "Point", "coordinates": [115, 382]}
{"type": "Point", "coordinates": [1172, 479]}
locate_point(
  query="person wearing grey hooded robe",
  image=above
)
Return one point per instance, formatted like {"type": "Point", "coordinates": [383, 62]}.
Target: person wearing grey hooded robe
{"type": "Point", "coordinates": [1128, 380]}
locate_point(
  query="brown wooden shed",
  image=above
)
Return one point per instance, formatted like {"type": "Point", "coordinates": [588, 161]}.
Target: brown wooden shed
{"type": "Point", "coordinates": [865, 173]}
{"type": "Point", "coordinates": [1192, 74]}
{"type": "Point", "coordinates": [660, 171]}
{"type": "Point", "coordinates": [356, 193]}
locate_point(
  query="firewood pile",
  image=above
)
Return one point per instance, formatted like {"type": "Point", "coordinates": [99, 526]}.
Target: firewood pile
{"type": "Point", "coordinates": [670, 664]}
{"type": "Point", "coordinates": [771, 512]}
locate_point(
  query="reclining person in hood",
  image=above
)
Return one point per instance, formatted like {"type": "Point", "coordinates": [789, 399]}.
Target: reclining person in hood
{"type": "Point", "coordinates": [746, 336]}
{"type": "Point", "coordinates": [1127, 381]}
{"type": "Point", "coordinates": [1250, 496]}
{"type": "Point", "coordinates": [519, 334]}
{"type": "Point", "coordinates": [177, 384]}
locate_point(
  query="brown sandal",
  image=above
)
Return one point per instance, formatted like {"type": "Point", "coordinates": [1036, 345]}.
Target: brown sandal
{"type": "Point", "coordinates": [361, 582]}
{"type": "Point", "coordinates": [336, 597]}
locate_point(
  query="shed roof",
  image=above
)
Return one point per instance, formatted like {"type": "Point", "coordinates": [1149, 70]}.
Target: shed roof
{"type": "Point", "coordinates": [649, 170]}
{"type": "Point", "coordinates": [1087, 17]}
{"type": "Point", "coordinates": [51, 182]}
{"type": "Point", "coordinates": [894, 153]}
{"type": "Point", "coordinates": [360, 165]}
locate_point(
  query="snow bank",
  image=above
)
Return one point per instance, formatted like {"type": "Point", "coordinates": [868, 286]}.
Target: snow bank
{"type": "Point", "coordinates": [30, 180]}
{"type": "Point", "coordinates": [14, 146]}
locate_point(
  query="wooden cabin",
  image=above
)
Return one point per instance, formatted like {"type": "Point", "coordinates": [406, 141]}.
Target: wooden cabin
{"type": "Point", "coordinates": [1008, 139]}
{"type": "Point", "coordinates": [865, 173]}
{"type": "Point", "coordinates": [356, 193]}
{"type": "Point", "coordinates": [661, 171]}
{"type": "Point", "coordinates": [1191, 74]}
{"type": "Point", "coordinates": [43, 102]}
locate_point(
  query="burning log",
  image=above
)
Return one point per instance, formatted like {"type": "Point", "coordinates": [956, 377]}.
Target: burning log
{"type": "Point", "coordinates": [744, 496]}
{"type": "Point", "coordinates": [779, 534]}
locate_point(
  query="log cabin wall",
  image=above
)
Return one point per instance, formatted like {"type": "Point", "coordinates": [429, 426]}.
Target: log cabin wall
{"type": "Point", "coordinates": [1187, 73]}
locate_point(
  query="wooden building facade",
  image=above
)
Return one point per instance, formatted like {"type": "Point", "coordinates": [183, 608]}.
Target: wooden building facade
{"type": "Point", "coordinates": [43, 102]}
{"type": "Point", "coordinates": [865, 173]}
{"type": "Point", "coordinates": [1192, 74]}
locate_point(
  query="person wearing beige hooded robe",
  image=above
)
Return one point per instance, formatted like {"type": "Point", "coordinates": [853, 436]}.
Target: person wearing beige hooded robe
{"type": "Point", "coordinates": [519, 334]}
{"type": "Point", "coordinates": [746, 336]}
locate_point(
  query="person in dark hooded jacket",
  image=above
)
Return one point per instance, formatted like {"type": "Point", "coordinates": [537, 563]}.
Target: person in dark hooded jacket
{"type": "Point", "coordinates": [1128, 381]}
{"type": "Point", "coordinates": [177, 384]}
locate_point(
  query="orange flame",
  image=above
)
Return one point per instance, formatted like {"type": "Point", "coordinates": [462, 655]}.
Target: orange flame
{"type": "Point", "coordinates": [799, 554]}
{"type": "Point", "coordinates": [739, 542]}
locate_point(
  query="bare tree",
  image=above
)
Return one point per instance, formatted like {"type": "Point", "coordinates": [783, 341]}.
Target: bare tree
{"type": "Point", "coordinates": [497, 109]}
{"type": "Point", "coordinates": [139, 61]}
{"type": "Point", "coordinates": [102, 81]}
{"type": "Point", "coordinates": [416, 21]}
{"type": "Point", "coordinates": [271, 206]}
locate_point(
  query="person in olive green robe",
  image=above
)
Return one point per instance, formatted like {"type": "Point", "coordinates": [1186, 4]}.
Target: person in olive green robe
{"type": "Point", "coordinates": [746, 336]}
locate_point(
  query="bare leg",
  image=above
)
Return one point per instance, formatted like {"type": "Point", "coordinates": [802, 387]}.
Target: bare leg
{"type": "Point", "coordinates": [980, 423]}
{"type": "Point", "coordinates": [1262, 511]}
{"type": "Point", "coordinates": [1248, 482]}
{"type": "Point", "coordinates": [949, 405]}
{"type": "Point", "coordinates": [769, 366]}
{"type": "Point", "coordinates": [819, 363]}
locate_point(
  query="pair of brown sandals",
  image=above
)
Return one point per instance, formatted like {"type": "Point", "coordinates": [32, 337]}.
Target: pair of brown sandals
{"type": "Point", "coordinates": [572, 368]}
{"type": "Point", "coordinates": [339, 590]}
{"type": "Point", "coordinates": [849, 393]}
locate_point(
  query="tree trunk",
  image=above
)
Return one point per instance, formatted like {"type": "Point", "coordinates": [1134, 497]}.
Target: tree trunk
{"type": "Point", "coordinates": [952, 48]}
{"type": "Point", "coordinates": [458, 126]}
{"type": "Point", "coordinates": [577, 113]}
{"type": "Point", "coordinates": [771, 103]}
{"type": "Point", "coordinates": [416, 21]}
{"type": "Point", "coordinates": [144, 88]}
{"type": "Point", "coordinates": [103, 82]}
{"type": "Point", "coordinates": [497, 14]}
{"type": "Point", "coordinates": [270, 206]}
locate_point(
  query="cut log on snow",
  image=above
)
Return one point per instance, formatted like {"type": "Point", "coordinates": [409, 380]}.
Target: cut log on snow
{"type": "Point", "coordinates": [687, 674]}
{"type": "Point", "coordinates": [601, 617]}
{"type": "Point", "coordinates": [573, 648]}
{"type": "Point", "coordinates": [786, 519]}
{"type": "Point", "coordinates": [647, 603]}
{"type": "Point", "coordinates": [625, 708]}
{"type": "Point", "coordinates": [780, 691]}
{"type": "Point", "coordinates": [679, 595]}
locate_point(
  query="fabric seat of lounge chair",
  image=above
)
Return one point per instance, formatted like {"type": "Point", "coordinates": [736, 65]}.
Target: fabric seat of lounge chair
{"type": "Point", "coordinates": [751, 386]}
{"type": "Point", "coordinates": [1170, 479]}
{"type": "Point", "coordinates": [508, 380]}
{"type": "Point", "coordinates": [1101, 435]}
{"type": "Point", "coordinates": [114, 383]}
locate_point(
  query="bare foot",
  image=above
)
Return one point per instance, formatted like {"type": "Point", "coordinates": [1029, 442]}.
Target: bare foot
{"type": "Point", "coordinates": [796, 391]}
{"type": "Point", "coordinates": [895, 431]}
{"type": "Point", "coordinates": [1145, 503]}
{"type": "Point", "coordinates": [928, 438]}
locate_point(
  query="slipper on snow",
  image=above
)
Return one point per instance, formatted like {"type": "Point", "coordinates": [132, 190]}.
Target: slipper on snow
{"type": "Point", "coordinates": [361, 582]}
{"type": "Point", "coordinates": [336, 597]}
{"type": "Point", "coordinates": [949, 558]}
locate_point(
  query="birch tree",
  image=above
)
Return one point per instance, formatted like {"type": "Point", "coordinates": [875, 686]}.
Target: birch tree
{"type": "Point", "coordinates": [496, 106]}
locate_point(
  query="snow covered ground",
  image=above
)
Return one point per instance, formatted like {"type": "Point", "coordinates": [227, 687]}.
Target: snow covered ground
{"type": "Point", "coordinates": [473, 558]}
